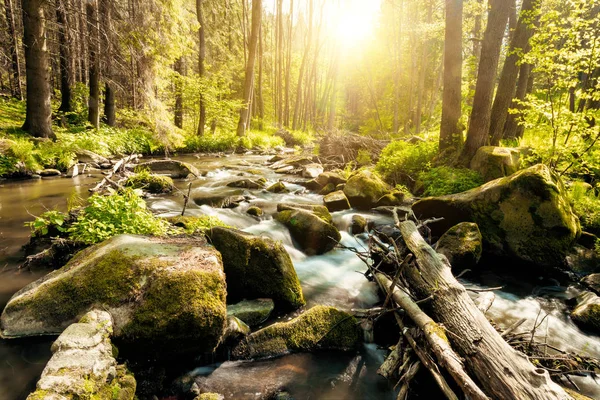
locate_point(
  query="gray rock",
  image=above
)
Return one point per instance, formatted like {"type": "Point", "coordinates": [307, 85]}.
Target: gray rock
{"type": "Point", "coordinates": [313, 234]}
{"type": "Point", "coordinates": [587, 312]}
{"type": "Point", "coordinates": [278, 187]}
{"type": "Point", "coordinates": [73, 171]}
{"type": "Point", "coordinates": [336, 201]}
{"type": "Point", "coordinates": [49, 172]}
{"type": "Point", "coordinates": [86, 157]}
{"type": "Point", "coordinates": [173, 168]}
{"type": "Point", "coordinates": [496, 162]}
{"type": "Point", "coordinates": [83, 365]}
{"type": "Point", "coordinates": [252, 312]}
{"type": "Point", "coordinates": [246, 184]}
{"type": "Point", "coordinates": [312, 171]}
{"type": "Point", "coordinates": [462, 245]}
{"type": "Point", "coordinates": [592, 281]}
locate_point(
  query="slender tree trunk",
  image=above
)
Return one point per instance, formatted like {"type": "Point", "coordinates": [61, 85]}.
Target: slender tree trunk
{"type": "Point", "coordinates": [422, 73]}
{"type": "Point", "coordinates": [249, 76]}
{"type": "Point", "coordinates": [260, 103]}
{"type": "Point", "coordinates": [510, 71]}
{"type": "Point", "coordinates": [450, 132]}
{"type": "Point", "coordinates": [94, 62]}
{"type": "Point", "coordinates": [479, 125]}
{"type": "Point", "coordinates": [512, 127]}
{"type": "Point", "coordinates": [279, 75]}
{"type": "Point", "coordinates": [476, 48]}
{"type": "Point", "coordinates": [107, 43]}
{"type": "Point", "coordinates": [17, 90]}
{"type": "Point", "coordinates": [64, 44]}
{"type": "Point", "coordinates": [303, 66]}
{"type": "Point", "coordinates": [289, 66]}
{"type": "Point", "coordinates": [83, 50]}
{"type": "Point", "coordinates": [179, 68]}
{"type": "Point", "coordinates": [38, 110]}
{"type": "Point", "coordinates": [201, 67]}
{"type": "Point", "coordinates": [334, 89]}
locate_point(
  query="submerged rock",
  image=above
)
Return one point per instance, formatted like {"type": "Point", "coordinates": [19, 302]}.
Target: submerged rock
{"type": "Point", "coordinates": [496, 162]}
{"type": "Point", "coordinates": [320, 328]}
{"type": "Point", "coordinates": [230, 198]}
{"type": "Point", "coordinates": [313, 234]}
{"type": "Point", "coordinates": [526, 215]}
{"type": "Point", "coordinates": [174, 168]}
{"type": "Point", "coordinates": [462, 245]}
{"type": "Point", "coordinates": [587, 312]}
{"type": "Point", "coordinates": [83, 364]}
{"type": "Point", "coordinates": [257, 267]}
{"type": "Point", "coordinates": [165, 293]}
{"type": "Point", "coordinates": [252, 312]}
{"type": "Point", "coordinates": [246, 184]}
{"type": "Point", "coordinates": [364, 189]}
{"type": "Point", "coordinates": [336, 201]}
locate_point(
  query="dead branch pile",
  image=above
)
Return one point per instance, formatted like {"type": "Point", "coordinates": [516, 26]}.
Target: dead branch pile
{"type": "Point", "coordinates": [343, 147]}
{"type": "Point", "coordinates": [444, 332]}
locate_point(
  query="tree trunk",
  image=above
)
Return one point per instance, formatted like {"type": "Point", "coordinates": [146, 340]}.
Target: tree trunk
{"type": "Point", "coordinates": [38, 117]}
{"type": "Point", "coordinates": [510, 71]}
{"type": "Point", "coordinates": [479, 125]}
{"type": "Point", "coordinates": [83, 50]}
{"type": "Point", "coordinates": [288, 69]}
{"type": "Point", "coordinates": [93, 62]}
{"type": "Point", "coordinates": [503, 372]}
{"type": "Point", "coordinates": [512, 127]}
{"type": "Point", "coordinates": [279, 58]}
{"type": "Point", "coordinates": [201, 68]}
{"type": "Point", "coordinates": [423, 73]}
{"type": "Point", "coordinates": [16, 89]}
{"type": "Point", "coordinates": [178, 67]}
{"type": "Point", "coordinates": [450, 132]}
{"type": "Point", "coordinates": [303, 66]}
{"type": "Point", "coordinates": [476, 49]}
{"type": "Point", "coordinates": [64, 44]}
{"type": "Point", "coordinates": [249, 76]}
{"type": "Point", "coordinates": [107, 42]}
{"type": "Point", "coordinates": [259, 91]}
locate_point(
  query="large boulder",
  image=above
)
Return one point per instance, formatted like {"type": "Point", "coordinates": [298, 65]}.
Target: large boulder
{"type": "Point", "coordinates": [320, 328]}
{"type": "Point", "coordinates": [319, 210]}
{"type": "Point", "coordinates": [526, 215]}
{"type": "Point", "coordinates": [313, 234]}
{"type": "Point", "coordinates": [257, 267]}
{"type": "Point", "coordinates": [496, 162]}
{"type": "Point", "coordinates": [86, 157]}
{"type": "Point", "coordinates": [587, 312]}
{"type": "Point", "coordinates": [83, 364]}
{"type": "Point", "coordinates": [364, 189]}
{"type": "Point", "coordinates": [330, 177]}
{"type": "Point", "coordinates": [252, 312]}
{"type": "Point", "coordinates": [462, 245]}
{"type": "Point", "coordinates": [165, 293]}
{"type": "Point", "coordinates": [336, 201]}
{"type": "Point", "coordinates": [151, 183]}
{"type": "Point", "coordinates": [173, 168]}
{"type": "Point", "coordinates": [312, 171]}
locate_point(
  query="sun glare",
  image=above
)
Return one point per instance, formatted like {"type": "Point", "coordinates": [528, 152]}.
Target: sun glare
{"type": "Point", "coordinates": [356, 20]}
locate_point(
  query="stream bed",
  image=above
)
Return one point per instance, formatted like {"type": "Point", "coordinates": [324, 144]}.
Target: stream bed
{"type": "Point", "coordinates": [335, 278]}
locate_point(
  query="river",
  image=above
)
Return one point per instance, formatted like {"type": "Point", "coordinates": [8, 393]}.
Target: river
{"type": "Point", "coordinates": [331, 279]}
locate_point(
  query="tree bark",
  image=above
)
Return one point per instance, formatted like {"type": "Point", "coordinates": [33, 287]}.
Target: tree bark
{"type": "Point", "coordinates": [479, 125]}
{"type": "Point", "coordinates": [288, 70]}
{"type": "Point", "coordinates": [512, 129]}
{"type": "Point", "coordinates": [503, 372]}
{"type": "Point", "coordinates": [450, 132]}
{"type": "Point", "coordinates": [38, 117]}
{"type": "Point", "coordinates": [93, 62]}
{"type": "Point", "coordinates": [178, 118]}
{"type": "Point", "coordinates": [279, 61]}
{"type": "Point", "coordinates": [16, 88]}
{"type": "Point", "coordinates": [249, 75]}
{"type": "Point", "coordinates": [201, 67]}
{"type": "Point", "coordinates": [260, 103]}
{"type": "Point", "coordinates": [510, 71]}
{"type": "Point", "coordinates": [303, 67]}
{"type": "Point", "coordinates": [107, 42]}
{"type": "Point", "coordinates": [64, 43]}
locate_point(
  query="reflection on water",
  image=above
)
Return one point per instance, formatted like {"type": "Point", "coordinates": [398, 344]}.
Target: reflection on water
{"type": "Point", "coordinates": [335, 278]}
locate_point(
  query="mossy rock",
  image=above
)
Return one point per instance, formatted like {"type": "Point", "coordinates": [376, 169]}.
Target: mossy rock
{"type": "Point", "coordinates": [336, 201]}
{"type": "Point", "coordinates": [330, 187]}
{"type": "Point", "coordinates": [209, 396]}
{"type": "Point", "coordinates": [313, 234]}
{"type": "Point", "coordinates": [364, 189]}
{"type": "Point", "coordinates": [496, 162]}
{"type": "Point", "coordinates": [394, 198]}
{"type": "Point", "coordinates": [587, 312]}
{"type": "Point", "coordinates": [254, 211]}
{"type": "Point", "coordinates": [330, 177]}
{"type": "Point", "coordinates": [168, 294]}
{"type": "Point", "coordinates": [252, 312]}
{"type": "Point", "coordinates": [320, 328]}
{"type": "Point", "coordinates": [257, 267]}
{"type": "Point", "coordinates": [527, 215]}
{"type": "Point", "coordinates": [462, 245]}
{"type": "Point", "coordinates": [247, 184]}
{"type": "Point", "coordinates": [278, 187]}
{"type": "Point", "coordinates": [319, 210]}
{"type": "Point", "coordinates": [359, 224]}
{"type": "Point", "coordinates": [83, 364]}
{"type": "Point", "coordinates": [173, 168]}
{"type": "Point", "coordinates": [228, 198]}
{"type": "Point", "coordinates": [151, 183]}
{"type": "Point", "coordinates": [592, 281]}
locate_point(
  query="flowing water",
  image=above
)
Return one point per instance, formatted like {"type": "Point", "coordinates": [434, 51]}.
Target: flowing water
{"type": "Point", "coordinates": [335, 278]}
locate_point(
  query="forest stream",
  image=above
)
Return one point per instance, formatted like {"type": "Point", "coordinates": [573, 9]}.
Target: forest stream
{"type": "Point", "coordinates": [334, 278]}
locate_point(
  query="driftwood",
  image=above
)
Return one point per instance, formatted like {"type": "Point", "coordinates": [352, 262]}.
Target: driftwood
{"type": "Point", "coordinates": [503, 372]}
{"type": "Point", "coordinates": [119, 165]}
{"type": "Point", "coordinates": [344, 146]}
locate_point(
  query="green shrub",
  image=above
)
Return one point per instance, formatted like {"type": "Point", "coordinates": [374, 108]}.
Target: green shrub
{"type": "Point", "coordinates": [586, 205]}
{"type": "Point", "coordinates": [364, 157]}
{"type": "Point", "coordinates": [49, 223]}
{"type": "Point", "coordinates": [210, 143]}
{"type": "Point", "coordinates": [8, 165]}
{"type": "Point", "coordinates": [261, 139]}
{"type": "Point", "coordinates": [440, 181]}
{"type": "Point", "coordinates": [120, 212]}
{"type": "Point", "coordinates": [400, 158]}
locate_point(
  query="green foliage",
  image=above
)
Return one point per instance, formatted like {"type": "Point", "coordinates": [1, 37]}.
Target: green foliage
{"type": "Point", "coordinates": [120, 212]}
{"type": "Point", "coordinates": [363, 157]}
{"type": "Point", "coordinates": [261, 139]}
{"type": "Point", "coordinates": [400, 158]}
{"type": "Point", "coordinates": [210, 143]}
{"type": "Point", "coordinates": [586, 205]}
{"type": "Point", "coordinates": [143, 179]}
{"type": "Point", "coordinates": [49, 222]}
{"type": "Point", "coordinates": [443, 180]}
{"type": "Point", "coordinates": [8, 165]}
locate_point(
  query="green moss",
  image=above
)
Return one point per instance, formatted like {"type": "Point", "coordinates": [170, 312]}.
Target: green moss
{"type": "Point", "coordinates": [444, 180]}
{"type": "Point", "coordinates": [254, 211]}
{"type": "Point", "coordinates": [209, 396]}
{"type": "Point", "coordinates": [152, 183]}
{"type": "Point", "coordinates": [329, 188]}
{"type": "Point", "coordinates": [114, 279]}
{"type": "Point", "coordinates": [364, 188]}
{"type": "Point", "coordinates": [196, 302]}
{"type": "Point", "coordinates": [194, 225]}
{"type": "Point", "coordinates": [257, 267]}
{"type": "Point", "coordinates": [321, 327]}
{"type": "Point", "coordinates": [319, 210]}
{"type": "Point", "coordinates": [277, 187]}
{"type": "Point", "coordinates": [314, 235]}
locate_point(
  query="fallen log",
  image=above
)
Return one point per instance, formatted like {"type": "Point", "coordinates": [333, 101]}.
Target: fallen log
{"type": "Point", "coordinates": [503, 372]}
